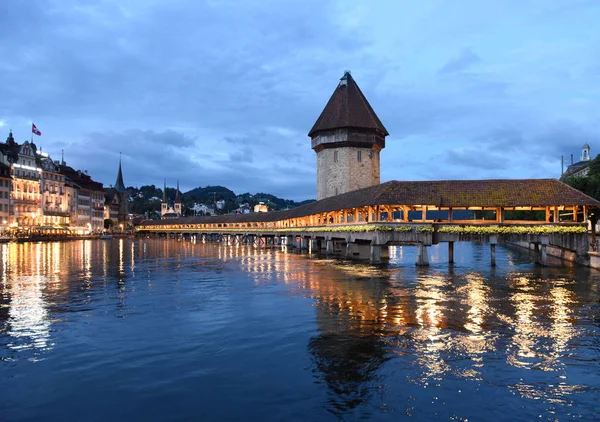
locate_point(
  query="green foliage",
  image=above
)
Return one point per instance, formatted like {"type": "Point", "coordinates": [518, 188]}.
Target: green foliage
{"type": "Point", "coordinates": [512, 229]}
{"type": "Point", "coordinates": [590, 184]}
{"type": "Point", "coordinates": [108, 223]}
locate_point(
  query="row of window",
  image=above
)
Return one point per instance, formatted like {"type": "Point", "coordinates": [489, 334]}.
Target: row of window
{"type": "Point", "coordinates": [29, 174]}
{"type": "Point", "coordinates": [52, 176]}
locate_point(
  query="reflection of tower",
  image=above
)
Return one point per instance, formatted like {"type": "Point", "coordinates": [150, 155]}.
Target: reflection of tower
{"type": "Point", "coordinates": [164, 206]}
{"type": "Point", "coordinates": [347, 138]}
{"type": "Point", "coordinates": [177, 204]}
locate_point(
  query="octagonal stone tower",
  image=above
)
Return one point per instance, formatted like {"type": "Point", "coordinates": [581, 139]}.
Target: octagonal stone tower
{"type": "Point", "coordinates": [347, 137]}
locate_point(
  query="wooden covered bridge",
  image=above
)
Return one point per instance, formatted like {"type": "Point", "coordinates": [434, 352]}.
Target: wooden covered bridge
{"type": "Point", "coordinates": [362, 223]}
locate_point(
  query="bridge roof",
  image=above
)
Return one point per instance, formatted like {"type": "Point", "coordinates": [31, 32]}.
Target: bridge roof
{"type": "Point", "coordinates": [441, 194]}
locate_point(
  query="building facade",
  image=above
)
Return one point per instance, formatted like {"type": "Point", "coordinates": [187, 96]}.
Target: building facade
{"type": "Point", "coordinates": [26, 188]}
{"type": "Point", "coordinates": [582, 167]}
{"type": "Point", "coordinates": [55, 205]}
{"type": "Point", "coordinates": [85, 198]}
{"type": "Point", "coordinates": [347, 138]}
{"type": "Point", "coordinates": [5, 184]}
{"type": "Point", "coordinates": [39, 193]}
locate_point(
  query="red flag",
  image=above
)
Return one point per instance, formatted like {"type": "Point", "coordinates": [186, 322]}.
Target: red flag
{"type": "Point", "coordinates": [35, 130]}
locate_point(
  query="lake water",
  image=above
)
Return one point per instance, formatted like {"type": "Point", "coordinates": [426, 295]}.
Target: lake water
{"type": "Point", "coordinates": [172, 330]}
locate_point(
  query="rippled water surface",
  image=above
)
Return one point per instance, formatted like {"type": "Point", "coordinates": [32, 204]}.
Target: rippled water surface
{"type": "Point", "coordinates": [171, 330]}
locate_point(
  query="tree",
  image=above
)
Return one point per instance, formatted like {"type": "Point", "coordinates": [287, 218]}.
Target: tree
{"type": "Point", "coordinates": [108, 223]}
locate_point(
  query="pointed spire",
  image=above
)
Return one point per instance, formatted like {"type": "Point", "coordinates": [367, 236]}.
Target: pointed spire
{"type": "Point", "coordinates": [165, 192]}
{"type": "Point", "coordinates": [177, 199]}
{"type": "Point", "coordinates": [348, 107]}
{"type": "Point", "coordinates": [119, 185]}
{"type": "Point", "coordinates": [10, 139]}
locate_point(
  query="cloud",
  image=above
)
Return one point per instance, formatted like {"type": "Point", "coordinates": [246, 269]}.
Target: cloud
{"type": "Point", "coordinates": [460, 62]}
{"type": "Point", "coordinates": [225, 92]}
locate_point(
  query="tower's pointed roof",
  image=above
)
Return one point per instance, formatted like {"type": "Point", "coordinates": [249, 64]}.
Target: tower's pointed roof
{"type": "Point", "coordinates": [177, 199]}
{"type": "Point", "coordinates": [119, 185]}
{"type": "Point", "coordinates": [348, 107]}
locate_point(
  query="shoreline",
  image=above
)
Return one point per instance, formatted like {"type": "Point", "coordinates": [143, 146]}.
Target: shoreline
{"type": "Point", "coordinates": [61, 238]}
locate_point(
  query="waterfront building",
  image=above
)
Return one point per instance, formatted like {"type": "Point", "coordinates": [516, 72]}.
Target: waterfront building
{"type": "Point", "coordinates": [5, 182]}
{"type": "Point", "coordinates": [175, 210]}
{"type": "Point", "coordinates": [582, 167]}
{"type": "Point", "coordinates": [26, 194]}
{"type": "Point", "coordinates": [72, 195]}
{"type": "Point", "coordinates": [220, 204]}
{"type": "Point", "coordinates": [85, 198]}
{"type": "Point", "coordinates": [55, 205]}
{"type": "Point", "coordinates": [348, 138]}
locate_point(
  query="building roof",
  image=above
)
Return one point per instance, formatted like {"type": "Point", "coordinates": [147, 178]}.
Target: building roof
{"type": "Point", "coordinates": [575, 168]}
{"type": "Point", "coordinates": [81, 179]}
{"type": "Point", "coordinates": [119, 185]}
{"type": "Point", "coordinates": [347, 107]}
{"type": "Point", "coordinates": [442, 193]}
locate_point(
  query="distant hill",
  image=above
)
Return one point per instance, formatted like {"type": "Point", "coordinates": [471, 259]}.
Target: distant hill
{"type": "Point", "coordinates": [209, 194]}
{"type": "Point", "coordinates": [146, 199]}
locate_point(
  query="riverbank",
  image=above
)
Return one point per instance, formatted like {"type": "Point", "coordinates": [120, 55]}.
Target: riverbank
{"type": "Point", "coordinates": [62, 238]}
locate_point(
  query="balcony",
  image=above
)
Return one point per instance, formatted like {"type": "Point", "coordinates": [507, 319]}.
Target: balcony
{"type": "Point", "coordinates": [57, 213]}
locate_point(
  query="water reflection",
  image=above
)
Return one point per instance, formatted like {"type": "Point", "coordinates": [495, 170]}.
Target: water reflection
{"type": "Point", "coordinates": [449, 323]}
{"type": "Point", "coordinates": [377, 330]}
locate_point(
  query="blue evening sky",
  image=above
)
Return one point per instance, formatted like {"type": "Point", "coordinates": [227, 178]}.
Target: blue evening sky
{"type": "Point", "coordinates": [225, 92]}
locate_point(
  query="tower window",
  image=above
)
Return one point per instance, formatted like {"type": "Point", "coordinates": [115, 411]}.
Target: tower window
{"type": "Point", "coordinates": [359, 156]}
{"type": "Point", "coordinates": [335, 156]}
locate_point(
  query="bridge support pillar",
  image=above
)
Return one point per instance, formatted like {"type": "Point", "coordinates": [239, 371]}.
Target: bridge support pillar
{"type": "Point", "coordinates": [493, 242]}
{"type": "Point", "coordinates": [304, 242]}
{"type": "Point", "coordinates": [450, 252]}
{"type": "Point", "coordinates": [314, 246]}
{"type": "Point", "coordinates": [543, 257]}
{"type": "Point", "coordinates": [422, 257]}
{"type": "Point", "coordinates": [375, 254]}
{"type": "Point", "coordinates": [329, 247]}
{"type": "Point", "coordinates": [349, 250]}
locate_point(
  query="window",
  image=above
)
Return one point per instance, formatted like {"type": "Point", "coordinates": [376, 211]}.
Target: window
{"type": "Point", "coordinates": [359, 156]}
{"type": "Point", "coordinates": [335, 156]}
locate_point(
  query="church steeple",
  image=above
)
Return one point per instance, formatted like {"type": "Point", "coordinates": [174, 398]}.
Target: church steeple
{"type": "Point", "coordinates": [10, 139]}
{"type": "Point", "coordinates": [585, 153]}
{"type": "Point", "coordinates": [119, 185]}
{"type": "Point", "coordinates": [177, 204]}
{"type": "Point", "coordinates": [164, 206]}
